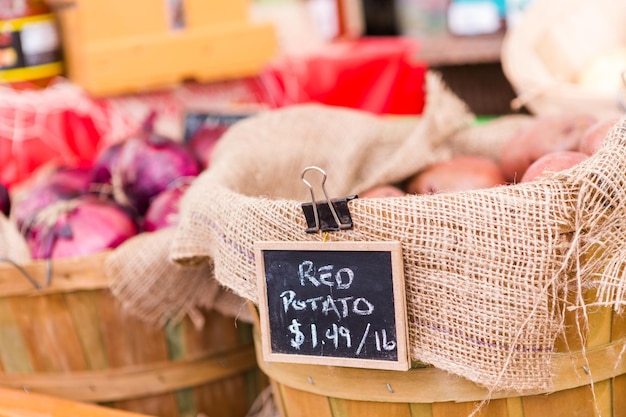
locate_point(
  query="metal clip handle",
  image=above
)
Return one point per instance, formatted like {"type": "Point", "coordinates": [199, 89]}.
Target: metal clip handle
{"type": "Point", "coordinates": [337, 208]}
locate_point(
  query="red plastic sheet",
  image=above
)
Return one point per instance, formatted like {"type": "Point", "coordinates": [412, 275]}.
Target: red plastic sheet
{"type": "Point", "coordinates": [39, 127]}
{"type": "Point", "coordinates": [380, 75]}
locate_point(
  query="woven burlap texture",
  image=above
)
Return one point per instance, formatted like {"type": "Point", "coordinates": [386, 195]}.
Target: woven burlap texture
{"type": "Point", "coordinates": [152, 287]}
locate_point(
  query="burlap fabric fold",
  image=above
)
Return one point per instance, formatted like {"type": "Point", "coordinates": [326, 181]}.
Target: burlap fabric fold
{"type": "Point", "coordinates": [153, 288]}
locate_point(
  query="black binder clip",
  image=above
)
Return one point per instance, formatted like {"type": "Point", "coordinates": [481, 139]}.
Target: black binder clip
{"type": "Point", "coordinates": [327, 215]}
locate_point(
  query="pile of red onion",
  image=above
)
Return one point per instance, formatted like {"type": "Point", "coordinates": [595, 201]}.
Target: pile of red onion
{"type": "Point", "coordinates": [134, 186]}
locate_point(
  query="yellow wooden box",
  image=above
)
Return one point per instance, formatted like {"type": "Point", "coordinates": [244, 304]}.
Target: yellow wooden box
{"type": "Point", "coordinates": [116, 46]}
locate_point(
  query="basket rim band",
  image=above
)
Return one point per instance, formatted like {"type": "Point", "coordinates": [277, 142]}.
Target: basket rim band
{"type": "Point", "coordinates": [136, 381]}
{"type": "Point", "coordinates": [68, 274]}
{"type": "Point", "coordinates": [429, 384]}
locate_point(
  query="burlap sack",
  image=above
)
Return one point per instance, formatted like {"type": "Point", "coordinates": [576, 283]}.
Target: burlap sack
{"type": "Point", "coordinates": [481, 267]}
{"type": "Point", "coordinates": [147, 284]}
{"type": "Point", "coordinates": [230, 304]}
{"type": "Point", "coordinates": [156, 290]}
{"type": "Point", "coordinates": [486, 271]}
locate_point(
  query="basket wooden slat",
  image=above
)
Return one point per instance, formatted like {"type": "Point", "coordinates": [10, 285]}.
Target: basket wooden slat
{"type": "Point", "coordinates": [73, 340]}
{"type": "Point", "coordinates": [16, 403]}
{"type": "Point", "coordinates": [83, 308]}
{"type": "Point", "coordinates": [434, 385]}
{"type": "Point", "coordinates": [135, 380]}
{"type": "Point", "coordinates": [84, 273]}
{"type": "Point", "coordinates": [12, 348]}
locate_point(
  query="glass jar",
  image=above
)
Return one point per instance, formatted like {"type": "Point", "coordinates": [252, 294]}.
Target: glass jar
{"type": "Point", "coordinates": [30, 48]}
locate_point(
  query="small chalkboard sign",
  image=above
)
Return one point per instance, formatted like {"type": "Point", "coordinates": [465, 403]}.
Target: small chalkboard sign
{"type": "Point", "coordinates": [195, 121]}
{"type": "Point", "coordinates": [333, 303]}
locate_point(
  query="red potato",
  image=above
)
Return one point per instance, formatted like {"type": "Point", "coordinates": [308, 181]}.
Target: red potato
{"type": "Point", "coordinates": [386, 190]}
{"type": "Point", "coordinates": [462, 173]}
{"type": "Point", "coordinates": [553, 162]}
{"type": "Point", "coordinates": [594, 136]}
{"type": "Point", "coordinates": [547, 134]}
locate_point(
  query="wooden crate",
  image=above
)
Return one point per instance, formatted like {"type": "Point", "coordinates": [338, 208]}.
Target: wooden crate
{"type": "Point", "coordinates": [116, 46]}
{"type": "Point", "coordinates": [72, 340]}
{"type": "Point", "coordinates": [591, 385]}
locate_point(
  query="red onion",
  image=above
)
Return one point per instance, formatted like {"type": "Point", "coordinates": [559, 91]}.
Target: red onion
{"type": "Point", "coordinates": [103, 165]}
{"type": "Point", "coordinates": [78, 227]}
{"type": "Point", "coordinates": [5, 200]}
{"type": "Point", "coordinates": [163, 209]}
{"type": "Point", "coordinates": [146, 166]}
{"type": "Point", "coordinates": [73, 178]}
{"type": "Point", "coordinates": [203, 141]}
{"type": "Point", "coordinates": [62, 183]}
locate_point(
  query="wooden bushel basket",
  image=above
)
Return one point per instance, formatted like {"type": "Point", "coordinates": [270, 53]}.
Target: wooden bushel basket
{"type": "Point", "coordinates": [587, 382]}
{"type": "Point", "coordinates": [72, 340]}
{"type": "Point", "coordinates": [461, 289]}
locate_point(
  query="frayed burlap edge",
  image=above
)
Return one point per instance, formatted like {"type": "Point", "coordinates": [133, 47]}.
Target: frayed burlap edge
{"type": "Point", "coordinates": [154, 289]}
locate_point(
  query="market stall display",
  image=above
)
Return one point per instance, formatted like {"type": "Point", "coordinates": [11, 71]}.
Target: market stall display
{"type": "Point", "coordinates": [64, 330]}
{"type": "Point", "coordinates": [163, 252]}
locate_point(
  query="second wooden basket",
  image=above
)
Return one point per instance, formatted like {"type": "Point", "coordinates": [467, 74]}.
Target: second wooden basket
{"type": "Point", "coordinates": [72, 340]}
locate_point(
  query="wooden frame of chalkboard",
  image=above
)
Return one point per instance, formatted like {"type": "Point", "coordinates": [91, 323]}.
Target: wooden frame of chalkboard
{"type": "Point", "coordinates": [333, 303]}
